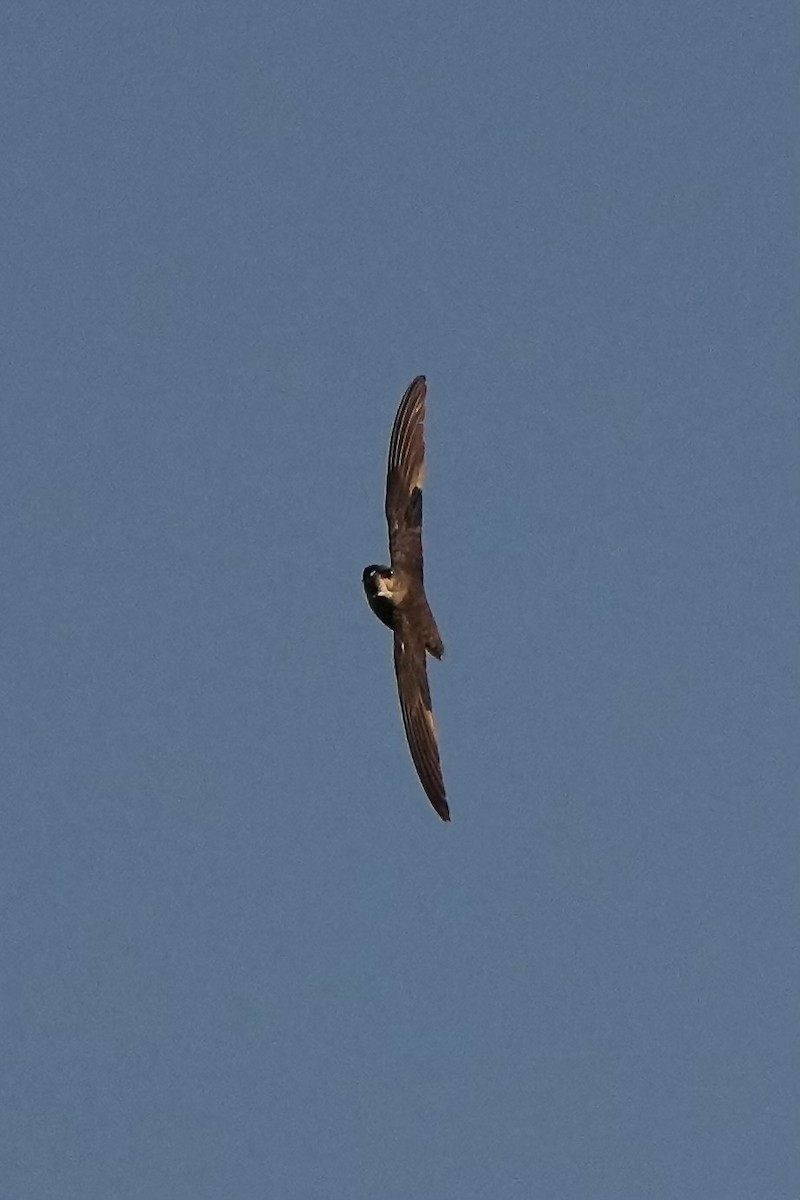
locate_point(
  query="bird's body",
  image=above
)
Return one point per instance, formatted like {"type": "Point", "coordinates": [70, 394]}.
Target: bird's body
{"type": "Point", "coordinates": [396, 594]}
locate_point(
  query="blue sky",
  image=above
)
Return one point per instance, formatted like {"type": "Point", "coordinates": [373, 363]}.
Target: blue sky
{"type": "Point", "coordinates": [241, 955]}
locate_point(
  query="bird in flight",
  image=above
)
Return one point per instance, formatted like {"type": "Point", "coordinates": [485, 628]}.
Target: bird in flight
{"type": "Point", "coordinates": [396, 594]}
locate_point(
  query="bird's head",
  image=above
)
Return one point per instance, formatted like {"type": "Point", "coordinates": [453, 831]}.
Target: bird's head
{"type": "Point", "coordinates": [375, 579]}
{"type": "Point", "coordinates": [378, 586]}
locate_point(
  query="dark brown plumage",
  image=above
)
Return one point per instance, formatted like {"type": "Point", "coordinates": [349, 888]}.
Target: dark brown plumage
{"type": "Point", "coordinates": [396, 594]}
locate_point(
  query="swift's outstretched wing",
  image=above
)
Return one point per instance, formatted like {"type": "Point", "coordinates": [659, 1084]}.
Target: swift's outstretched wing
{"type": "Point", "coordinates": [415, 705]}
{"type": "Point", "coordinates": [404, 479]}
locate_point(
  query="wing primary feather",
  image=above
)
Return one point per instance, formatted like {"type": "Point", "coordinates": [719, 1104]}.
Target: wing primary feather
{"type": "Point", "coordinates": [404, 478]}
{"type": "Point", "coordinates": [415, 707]}
{"type": "Point", "coordinates": [407, 429]}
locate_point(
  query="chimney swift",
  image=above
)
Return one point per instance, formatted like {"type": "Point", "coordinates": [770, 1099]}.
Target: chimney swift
{"type": "Point", "coordinates": [396, 594]}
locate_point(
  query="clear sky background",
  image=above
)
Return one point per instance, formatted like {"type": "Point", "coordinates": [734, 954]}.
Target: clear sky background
{"type": "Point", "coordinates": [241, 956]}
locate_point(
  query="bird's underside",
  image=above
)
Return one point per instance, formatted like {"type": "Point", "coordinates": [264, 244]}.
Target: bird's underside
{"type": "Point", "coordinates": [396, 594]}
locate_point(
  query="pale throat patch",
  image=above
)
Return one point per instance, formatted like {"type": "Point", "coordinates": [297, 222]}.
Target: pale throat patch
{"type": "Point", "coordinates": [390, 589]}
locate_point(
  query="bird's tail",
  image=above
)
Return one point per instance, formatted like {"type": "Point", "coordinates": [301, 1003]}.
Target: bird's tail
{"type": "Point", "coordinates": [433, 640]}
